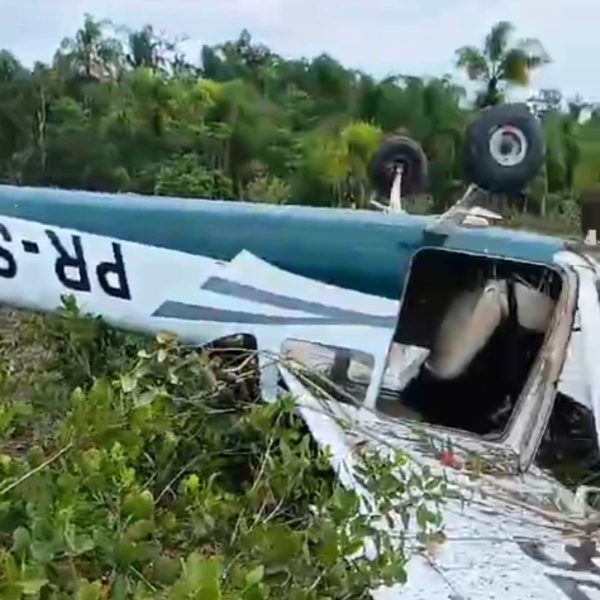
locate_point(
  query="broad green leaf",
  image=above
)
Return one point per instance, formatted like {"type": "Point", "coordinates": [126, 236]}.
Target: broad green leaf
{"type": "Point", "coordinates": [192, 484]}
{"type": "Point", "coordinates": [139, 505]}
{"type": "Point", "coordinates": [21, 542]}
{"type": "Point", "coordinates": [81, 544]}
{"type": "Point", "coordinates": [166, 570]}
{"type": "Point", "coordinates": [43, 552]}
{"type": "Point", "coordinates": [11, 591]}
{"type": "Point", "coordinates": [92, 459]}
{"type": "Point", "coordinates": [329, 547]}
{"type": "Point", "coordinates": [256, 575]}
{"type": "Point", "coordinates": [139, 530]}
{"type": "Point", "coordinates": [128, 383]}
{"type": "Point", "coordinates": [11, 571]}
{"type": "Point", "coordinates": [32, 580]}
{"type": "Point", "coordinates": [5, 461]}
{"type": "Point", "coordinates": [255, 592]}
{"type": "Point", "coordinates": [202, 577]}
{"type": "Point", "coordinates": [89, 591]}
{"type": "Point", "coordinates": [146, 398]}
{"type": "Point", "coordinates": [120, 587]}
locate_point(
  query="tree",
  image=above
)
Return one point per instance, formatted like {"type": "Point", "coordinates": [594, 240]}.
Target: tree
{"type": "Point", "coordinates": [19, 104]}
{"type": "Point", "coordinates": [186, 175]}
{"type": "Point", "coordinates": [145, 49]}
{"type": "Point", "coordinates": [361, 140]}
{"type": "Point", "coordinates": [89, 53]}
{"type": "Point", "coordinates": [10, 67]}
{"type": "Point", "coordinates": [499, 63]}
{"type": "Point", "coordinates": [239, 59]}
{"type": "Point", "coordinates": [247, 123]}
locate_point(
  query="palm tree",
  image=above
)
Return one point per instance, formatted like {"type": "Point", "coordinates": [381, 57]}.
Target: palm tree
{"type": "Point", "coordinates": [499, 63]}
{"type": "Point", "coordinates": [90, 53]}
{"type": "Point", "coordinates": [144, 49]}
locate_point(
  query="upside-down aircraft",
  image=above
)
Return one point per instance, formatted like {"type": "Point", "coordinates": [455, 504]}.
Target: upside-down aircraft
{"type": "Point", "coordinates": [480, 336]}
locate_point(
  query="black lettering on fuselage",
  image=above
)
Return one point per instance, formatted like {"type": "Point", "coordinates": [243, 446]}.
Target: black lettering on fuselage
{"type": "Point", "coordinates": [65, 261]}
{"type": "Point", "coordinates": [72, 269]}
{"type": "Point", "coordinates": [9, 269]}
{"type": "Point", "coordinates": [120, 289]}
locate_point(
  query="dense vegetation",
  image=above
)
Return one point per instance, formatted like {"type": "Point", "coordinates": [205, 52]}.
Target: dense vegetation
{"type": "Point", "coordinates": [122, 110]}
{"type": "Point", "coordinates": [135, 468]}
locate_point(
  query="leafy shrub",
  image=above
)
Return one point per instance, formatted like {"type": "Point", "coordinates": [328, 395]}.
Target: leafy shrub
{"type": "Point", "coordinates": [186, 176]}
{"type": "Point", "coordinates": [264, 188]}
{"type": "Point", "coordinates": [136, 468]}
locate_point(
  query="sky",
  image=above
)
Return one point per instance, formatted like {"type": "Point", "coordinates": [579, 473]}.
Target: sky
{"type": "Point", "coordinates": [381, 37]}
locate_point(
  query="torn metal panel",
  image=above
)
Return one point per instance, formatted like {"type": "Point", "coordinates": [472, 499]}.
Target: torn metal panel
{"type": "Point", "coordinates": [520, 537]}
{"type": "Point", "coordinates": [511, 540]}
{"type": "Point", "coordinates": [531, 414]}
{"type": "Point", "coordinates": [580, 377]}
{"type": "Point", "coordinates": [573, 381]}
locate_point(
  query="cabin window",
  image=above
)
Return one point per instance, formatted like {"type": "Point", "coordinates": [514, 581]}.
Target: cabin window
{"type": "Point", "coordinates": [469, 331]}
{"type": "Point", "coordinates": [332, 369]}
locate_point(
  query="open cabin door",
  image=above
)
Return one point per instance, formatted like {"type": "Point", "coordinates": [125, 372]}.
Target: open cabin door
{"type": "Point", "coordinates": [537, 400]}
{"type": "Point", "coordinates": [496, 330]}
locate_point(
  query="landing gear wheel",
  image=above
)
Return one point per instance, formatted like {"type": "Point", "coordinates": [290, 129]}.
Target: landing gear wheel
{"type": "Point", "coordinates": [398, 151]}
{"type": "Point", "coordinates": [505, 149]}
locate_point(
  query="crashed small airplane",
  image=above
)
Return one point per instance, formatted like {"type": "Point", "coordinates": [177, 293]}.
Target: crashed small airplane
{"type": "Point", "coordinates": [484, 337]}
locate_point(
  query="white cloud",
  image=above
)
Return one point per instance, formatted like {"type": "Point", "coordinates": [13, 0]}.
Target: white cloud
{"type": "Point", "coordinates": [379, 36]}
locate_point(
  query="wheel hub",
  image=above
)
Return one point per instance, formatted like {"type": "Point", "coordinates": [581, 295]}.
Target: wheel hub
{"type": "Point", "coordinates": [508, 146]}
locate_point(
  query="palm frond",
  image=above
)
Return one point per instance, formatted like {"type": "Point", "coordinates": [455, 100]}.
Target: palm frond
{"type": "Point", "coordinates": [497, 40]}
{"type": "Point", "coordinates": [473, 61]}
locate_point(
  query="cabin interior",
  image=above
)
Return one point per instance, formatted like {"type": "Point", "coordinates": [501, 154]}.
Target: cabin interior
{"type": "Point", "coordinates": [482, 335]}
{"type": "Point", "coordinates": [491, 344]}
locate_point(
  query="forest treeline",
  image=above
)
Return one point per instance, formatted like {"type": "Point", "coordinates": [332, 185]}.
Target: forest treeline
{"type": "Point", "coordinates": [122, 110]}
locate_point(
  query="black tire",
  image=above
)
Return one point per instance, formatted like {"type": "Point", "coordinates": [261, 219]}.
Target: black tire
{"type": "Point", "coordinates": [507, 125]}
{"type": "Point", "coordinates": [394, 151]}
